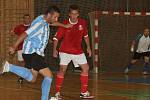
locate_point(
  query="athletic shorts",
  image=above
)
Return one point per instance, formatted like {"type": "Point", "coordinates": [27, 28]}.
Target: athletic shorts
{"type": "Point", "coordinates": [34, 61]}
{"type": "Point", "coordinates": [19, 55]}
{"type": "Point", "coordinates": [77, 60]}
{"type": "Point", "coordinates": [141, 55]}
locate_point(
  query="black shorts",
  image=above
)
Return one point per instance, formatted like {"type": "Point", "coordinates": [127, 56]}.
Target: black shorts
{"type": "Point", "coordinates": [34, 61]}
{"type": "Point", "coordinates": [141, 55]}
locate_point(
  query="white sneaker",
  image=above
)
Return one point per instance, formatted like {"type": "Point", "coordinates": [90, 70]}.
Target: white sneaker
{"type": "Point", "coordinates": [4, 66]}
{"type": "Point", "coordinates": [86, 95]}
{"type": "Point", "coordinates": [53, 98]}
{"type": "Point", "coordinates": [57, 95]}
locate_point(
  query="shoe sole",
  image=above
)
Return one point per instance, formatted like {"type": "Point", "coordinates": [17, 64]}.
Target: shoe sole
{"type": "Point", "coordinates": [89, 97]}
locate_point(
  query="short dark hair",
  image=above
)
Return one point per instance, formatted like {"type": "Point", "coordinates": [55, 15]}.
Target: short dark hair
{"type": "Point", "coordinates": [74, 7]}
{"type": "Point", "coordinates": [26, 15]}
{"type": "Point", "coordinates": [52, 9]}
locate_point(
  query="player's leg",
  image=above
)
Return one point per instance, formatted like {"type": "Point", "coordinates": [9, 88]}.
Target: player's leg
{"type": "Point", "coordinates": [40, 66]}
{"type": "Point", "coordinates": [146, 63]}
{"type": "Point", "coordinates": [64, 61]}
{"type": "Point", "coordinates": [84, 77]}
{"type": "Point", "coordinates": [135, 58]}
{"type": "Point", "coordinates": [20, 71]}
{"type": "Point", "coordinates": [46, 83]}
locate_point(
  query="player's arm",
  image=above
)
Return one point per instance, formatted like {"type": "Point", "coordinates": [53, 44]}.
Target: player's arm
{"type": "Point", "coordinates": [135, 41]}
{"type": "Point", "coordinates": [55, 43]}
{"type": "Point", "coordinates": [86, 38]}
{"type": "Point", "coordinates": [61, 24]}
{"type": "Point", "coordinates": [132, 45]}
{"type": "Point", "coordinates": [13, 30]}
{"type": "Point", "coordinates": [19, 40]}
{"type": "Point", "coordinates": [57, 37]}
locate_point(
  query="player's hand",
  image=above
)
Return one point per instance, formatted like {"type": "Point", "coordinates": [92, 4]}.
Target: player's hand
{"type": "Point", "coordinates": [11, 50]}
{"type": "Point", "coordinates": [55, 53]}
{"type": "Point", "coordinates": [89, 52]}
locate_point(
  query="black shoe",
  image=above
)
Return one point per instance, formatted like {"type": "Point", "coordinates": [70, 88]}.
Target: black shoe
{"type": "Point", "coordinates": [20, 80]}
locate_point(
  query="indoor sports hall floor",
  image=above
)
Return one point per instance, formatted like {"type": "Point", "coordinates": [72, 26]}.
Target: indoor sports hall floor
{"type": "Point", "coordinates": [106, 86]}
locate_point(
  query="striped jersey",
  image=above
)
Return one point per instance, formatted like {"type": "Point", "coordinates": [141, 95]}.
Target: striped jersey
{"type": "Point", "coordinates": [38, 36]}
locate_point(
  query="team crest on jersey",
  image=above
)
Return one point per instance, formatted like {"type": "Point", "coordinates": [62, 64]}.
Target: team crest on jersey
{"type": "Point", "coordinates": [80, 27]}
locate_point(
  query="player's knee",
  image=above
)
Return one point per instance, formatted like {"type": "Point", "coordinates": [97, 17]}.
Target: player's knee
{"type": "Point", "coordinates": [62, 70]}
{"type": "Point", "coordinates": [60, 74]}
{"type": "Point", "coordinates": [33, 80]}
{"type": "Point", "coordinates": [85, 70]}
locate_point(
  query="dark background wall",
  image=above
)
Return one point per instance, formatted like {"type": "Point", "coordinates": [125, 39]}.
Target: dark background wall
{"type": "Point", "coordinates": [116, 31]}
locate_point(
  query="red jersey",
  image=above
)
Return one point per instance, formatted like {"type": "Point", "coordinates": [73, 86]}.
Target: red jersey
{"type": "Point", "coordinates": [18, 30]}
{"type": "Point", "coordinates": [72, 37]}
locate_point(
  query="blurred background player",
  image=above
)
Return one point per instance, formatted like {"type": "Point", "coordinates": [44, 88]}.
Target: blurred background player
{"type": "Point", "coordinates": [18, 30]}
{"type": "Point", "coordinates": [143, 47]}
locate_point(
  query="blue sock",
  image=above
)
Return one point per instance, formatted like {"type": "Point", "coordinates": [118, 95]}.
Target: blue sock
{"type": "Point", "coordinates": [46, 85]}
{"type": "Point", "coordinates": [21, 71]}
{"type": "Point", "coordinates": [145, 67]}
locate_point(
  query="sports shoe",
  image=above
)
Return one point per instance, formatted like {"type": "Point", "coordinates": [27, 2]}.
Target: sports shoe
{"type": "Point", "coordinates": [53, 98]}
{"type": "Point", "coordinates": [86, 95]}
{"type": "Point", "coordinates": [57, 95]}
{"type": "Point", "coordinates": [4, 66]}
{"type": "Point", "coordinates": [126, 70]}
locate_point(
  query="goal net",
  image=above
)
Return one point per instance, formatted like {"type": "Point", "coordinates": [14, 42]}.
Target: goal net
{"type": "Point", "coordinates": [112, 33]}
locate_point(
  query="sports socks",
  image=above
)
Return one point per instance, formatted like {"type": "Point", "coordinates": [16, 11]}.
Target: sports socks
{"type": "Point", "coordinates": [46, 85]}
{"type": "Point", "coordinates": [145, 67]}
{"type": "Point", "coordinates": [21, 71]}
{"type": "Point", "coordinates": [84, 82]}
{"type": "Point", "coordinates": [59, 81]}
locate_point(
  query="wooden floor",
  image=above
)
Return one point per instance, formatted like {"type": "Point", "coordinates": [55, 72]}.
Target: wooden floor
{"type": "Point", "coordinates": [106, 86]}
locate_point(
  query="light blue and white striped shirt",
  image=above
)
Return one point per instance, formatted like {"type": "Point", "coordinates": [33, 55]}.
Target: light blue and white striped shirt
{"type": "Point", "coordinates": [38, 36]}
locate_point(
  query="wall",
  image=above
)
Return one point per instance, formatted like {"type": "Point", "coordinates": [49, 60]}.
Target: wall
{"type": "Point", "coordinates": [11, 14]}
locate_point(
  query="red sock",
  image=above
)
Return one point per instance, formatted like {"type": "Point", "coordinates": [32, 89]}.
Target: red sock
{"type": "Point", "coordinates": [84, 82]}
{"type": "Point", "coordinates": [59, 81]}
